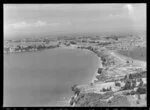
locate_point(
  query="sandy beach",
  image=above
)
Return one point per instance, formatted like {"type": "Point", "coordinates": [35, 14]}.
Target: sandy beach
{"type": "Point", "coordinates": [96, 73]}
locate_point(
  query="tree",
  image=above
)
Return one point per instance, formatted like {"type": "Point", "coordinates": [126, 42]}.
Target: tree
{"type": "Point", "coordinates": [110, 88]}
{"type": "Point", "coordinates": [141, 90]}
{"type": "Point", "coordinates": [125, 77]}
{"type": "Point", "coordinates": [100, 70]}
{"type": "Point", "coordinates": [73, 42]}
{"type": "Point", "coordinates": [127, 85]}
{"type": "Point", "coordinates": [139, 97]}
{"type": "Point", "coordinates": [127, 61]}
{"type": "Point", "coordinates": [130, 76]}
{"type": "Point", "coordinates": [75, 89]}
{"type": "Point", "coordinates": [117, 84]}
{"type": "Point", "coordinates": [141, 83]}
{"type": "Point", "coordinates": [72, 100]}
{"type": "Point", "coordinates": [104, 89]}
{"type": "Point", "coordinates": [133, 84]}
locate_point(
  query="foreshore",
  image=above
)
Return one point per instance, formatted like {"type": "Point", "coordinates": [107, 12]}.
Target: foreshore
{"type": "Point", "coordinates": [96, 72]}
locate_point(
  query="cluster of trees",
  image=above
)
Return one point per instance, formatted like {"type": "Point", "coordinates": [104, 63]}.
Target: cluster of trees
{"type": "Point", "coordinates": [99, 70]}
{"type": "Point", "coordinates": [104, 43]}
{"type": "Point", "coordinates": [140, 74]}
{"type": "Point", "coordinates": [117, 84]}
{"type": "Point", "coordinates": [142, 89]}
{"type": "Point", "coordinates": [75, 89]}
{"type": "Point", "coordinates": [107, 89]}
{"type": "Point", "coordinates": [73, 42]}
{"type": "Point", "coordinates": [129, 84]}
{"type": "Point", "coordinates": [72, 100]}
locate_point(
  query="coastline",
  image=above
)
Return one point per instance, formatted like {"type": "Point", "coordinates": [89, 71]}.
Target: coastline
{"type": "Point", "coordinates": [116, 67]}
{"type": "Point", "coordinates": [99, 61]}
{"type": "Point", "coordinates": [96, 72]}
{"type": "Point", "coordinates": [117, 60]}
{"type": "Point", "coordinates": [67, 101]}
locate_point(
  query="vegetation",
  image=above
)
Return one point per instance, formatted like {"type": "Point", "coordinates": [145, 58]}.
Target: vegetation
{"type": "Point", "coordinates": [119, 100]}
{"type": "Point", "coordinates": [141, 90]}
{"type": "Point", "coordinates": [127, 85]}
{"type": "Point", "coordinates": [73, 42]}
{"type": "Point", "coordinates": [75, 89]}
{"type": "Point", "coordinates": [108, 89]}
{"type": "Point", "coordinates": [117, 84]}
{"type": "Point", "coordinates": [90, 99]}
{"type": "Point", "coordinates": [99, 70]}
{"type": "Point", "coordinates": [72, 100]}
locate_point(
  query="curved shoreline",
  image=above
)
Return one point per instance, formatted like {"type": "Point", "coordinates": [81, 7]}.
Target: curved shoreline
{"type": "Point", "coordinates": [115, 60]}
{"type": "Point", "coordinates": [111, 61]}
{"type": "Point", "coordinates": [98, 53]}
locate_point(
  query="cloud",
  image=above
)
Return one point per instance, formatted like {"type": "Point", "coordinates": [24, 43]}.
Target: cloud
{"type": "Point", "coordinates": [40, 23]}
{"type": "Point", "coordinates": [19, 24]}
{"type": "Point", "coordinates": [130, 9]}
{"type": "Point", "coordinates": [37, 24]}
{"type": "Point", "coordinates": [24, 24]}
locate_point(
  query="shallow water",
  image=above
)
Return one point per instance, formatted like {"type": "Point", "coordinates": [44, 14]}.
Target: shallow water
{"type": "Point", "coordinates": [45, 78]}
{"type": "Point", "coordinates": [138, 53]}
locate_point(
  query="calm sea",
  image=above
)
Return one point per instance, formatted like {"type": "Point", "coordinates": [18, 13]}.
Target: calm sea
{"type": "Point", "coordinates": [44, 78]}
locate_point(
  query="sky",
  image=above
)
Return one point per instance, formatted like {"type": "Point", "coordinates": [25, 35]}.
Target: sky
{"type": "Point", "coordinates": [52, 19]}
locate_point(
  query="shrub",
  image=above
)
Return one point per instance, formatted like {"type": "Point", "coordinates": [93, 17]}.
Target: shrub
{"type": "Point", "coordinates": [139, 97]}
{"type": "Point", "coordinates": [91, 84]}
{"type": "Point", "coordinates": [137, 102]}
{"type": "Point", "coordinates": [125, 77]}
{"type": "Point", "coordinates": [109, 101]}
{"type": "Point", "coordinates": [100, 70]}
{"type": "Point", "coordinates": [127, 86]}
{"type": "Point", "coordinates": [103, 89]}
{"type": "Point", "coordinates": [141, 83]}
{"type": "Point", "coordinates": [117, 84]}
{"type": "Point", "coordinates": [132, 93]}
{"type": "Point", "coordinates": [141, 90]}
{"type": "Point", "coordinates": [127, 61]}
{"type": "Point", "coordinates": [72, 101]}
{"type": "Point", "coordinates": [126, 93]}
{"type": "Point", "coordinates": [110, 88]}
{"type": "Point", "coordinates": [107, 94]}
{"type": "Point", "coordinates": [72, 42]}
{"type": "Point", "coordinates": [75, 89]}
{"type": "Point", "coordinates": [133, 84]}
{"type": "Point", "coordinates": [119, 100]}
{"type": "Point", "coordinates": [130, 76]}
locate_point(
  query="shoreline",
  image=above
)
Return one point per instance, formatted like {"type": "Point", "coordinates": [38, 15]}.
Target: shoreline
{"type": "Point", "coordinates": [113, 62]}
{"type": "Point", "coordinates": [96, 72]}
{"type": "Point", "coordinates": [94, 79]}
{"type": "Point", "coordinates": [67, 101]}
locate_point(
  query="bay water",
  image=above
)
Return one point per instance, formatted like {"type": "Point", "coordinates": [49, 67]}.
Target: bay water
{"type": "Point", "coordinates": [44, 78]}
